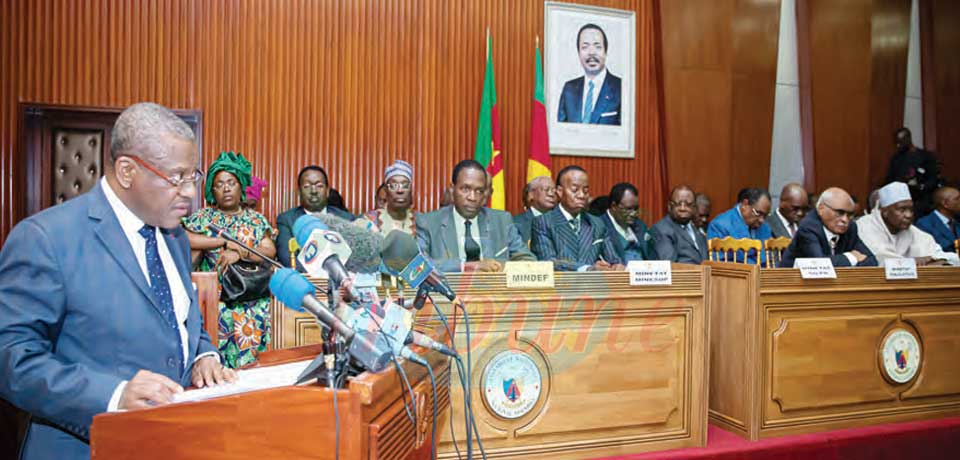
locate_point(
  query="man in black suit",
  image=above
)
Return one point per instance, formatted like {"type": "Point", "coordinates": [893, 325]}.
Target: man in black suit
{"type": "Point", "coordinates": [675, 237]}
{"type": "Point", "coordinates": [541, 197]}
{"type": "Point", "coordinates": [595, 97]}
{"type": "Point", "coordinates": [830, 232]}
{"type": "Point", "coordinates": [625, 228]}
{"type": "Point", "coordinates": [572, 239]}
{"type": "Point", "coordinates": [794, 204]}
{"type": "Point", "coordinates": [314, 192]}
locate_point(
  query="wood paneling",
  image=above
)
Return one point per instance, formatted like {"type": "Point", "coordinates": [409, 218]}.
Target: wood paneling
{"type": "Point", "coordinates": [858, 62]}
{"type": "Point", "coordinates": [798, 356]}
{"type": "Point", "coordinates": [719, 74]}
{"type": "Point", "coordinates": [944, 69]}
{"type": "Point", "coordinates": [347, 84]}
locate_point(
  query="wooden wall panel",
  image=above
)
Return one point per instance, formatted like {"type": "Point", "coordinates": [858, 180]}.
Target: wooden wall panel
{"type": "Point", "coordinates": [858, 61]}
{"type": "Point", "coordinates": [348, 84]}
{"type": "Point", "coordinates": [719, 74]}
{"type": "Point", "coordinates": [944, 69]}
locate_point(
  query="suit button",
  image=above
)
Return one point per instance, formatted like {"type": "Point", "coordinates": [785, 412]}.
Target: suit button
{"type": "Point", "coordinates": [171, 362]}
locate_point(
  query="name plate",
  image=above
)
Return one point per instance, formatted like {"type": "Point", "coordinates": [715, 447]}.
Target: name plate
{"type": "Point", "coordinates": [650, 273]}
{"type": "Point", "coordinates": [814, 268]}
{"type": "Point", "coordinates": [529, 274]}
{"type": "Point", "coordinates": [901, 269]}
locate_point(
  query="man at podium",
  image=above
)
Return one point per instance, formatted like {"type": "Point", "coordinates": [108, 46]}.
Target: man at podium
{"type": "Point", "coordinates": [97, 311]}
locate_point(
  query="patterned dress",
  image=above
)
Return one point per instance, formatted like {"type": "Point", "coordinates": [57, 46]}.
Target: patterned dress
{"type": "Point", "coordinates": [244, 326]}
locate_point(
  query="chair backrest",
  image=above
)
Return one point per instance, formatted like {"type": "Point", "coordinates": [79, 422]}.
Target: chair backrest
{"type": "Point", "coordinates": [774, 250]}
{"type": "Point", "coordinates": [293, 247]}
{"type": "Point", "coordinates": [725, 249]}
{"type": "Point", "coordinates": [208, 295]}
{"type": "Point", "coordinates": [956, 246]}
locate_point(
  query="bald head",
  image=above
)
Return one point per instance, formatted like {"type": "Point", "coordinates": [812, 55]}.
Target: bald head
{"type": "Point", "coordinates": [794, 202]}
{"type": "Point", "coordinates": [947, 201]}
{"type": "Point", "coordinates": [836, 209]}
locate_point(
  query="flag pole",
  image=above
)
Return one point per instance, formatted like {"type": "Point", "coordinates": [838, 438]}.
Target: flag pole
{"type": "Point", "coordinates": [488, 41]}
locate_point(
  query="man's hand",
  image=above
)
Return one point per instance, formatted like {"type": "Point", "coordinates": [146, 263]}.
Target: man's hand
{"type": "Point", "coordinates": [602, 266]}
{"type": "Point", "coordinates": [485, 265]}
{"type": "Point", "coordinates": [930, 261]}
{"type": "Point", "coordinates": [859, 255]}
{"type": "Point", "coordinates": [147, 389]}
{"type": "Point", "coordinates": [209, 372]}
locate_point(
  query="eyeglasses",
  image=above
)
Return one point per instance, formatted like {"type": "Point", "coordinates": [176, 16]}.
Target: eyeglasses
{"type": "Point", "coordinates": [681, 204]}
{"type": "Point", "coordinates": [317, 186]}
{"type": "Point", "coordinates": [630, 212]}
{"type": "Point", "coordinates": [841, 212]}
{"type": "Point", "coordinates": [398, 186]}
{"type": "Point", "coordinates": [177, 181]}
{"type": "Point", "coordinates": [758, 213]}
{"type": "Point", "coordinates": [219, 186]}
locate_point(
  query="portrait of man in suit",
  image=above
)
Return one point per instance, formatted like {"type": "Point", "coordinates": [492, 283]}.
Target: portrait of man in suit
{"type": "Point", "coordinates": [593, 98]}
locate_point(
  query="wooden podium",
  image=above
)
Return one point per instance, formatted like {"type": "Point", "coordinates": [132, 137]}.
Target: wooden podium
{"type": "Point", "coordinates": [589, 368]}
{"type": "Point", "coordinates": [790, 356]}
{"type": "Point", "coordinates": [283, 423]}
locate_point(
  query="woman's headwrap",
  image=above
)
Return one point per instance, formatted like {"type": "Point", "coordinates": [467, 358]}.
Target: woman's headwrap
{"type": "Point", "coordinates": [233, 163]}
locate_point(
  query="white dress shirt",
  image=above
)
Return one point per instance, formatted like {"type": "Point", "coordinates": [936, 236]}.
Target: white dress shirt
{"type": "Point", "coordinates": [626, 233]}
{"type": "Point", "coordinates": [459, 224]}
{"type": "Point", "coordinates": [579, 219]}
{"type": "Point", "coordinates": [786, 224]}
{"type": "Point", "coordinates": [830, 236]}
{"type": "Point", "coordinates": [597, 84]}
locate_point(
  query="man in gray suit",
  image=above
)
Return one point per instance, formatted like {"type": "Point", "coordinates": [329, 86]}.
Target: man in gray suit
{"type": "Point", "coordinates": [794, 204]}
{"type": "Point", "coordinates": [541, 197]}
{"type": "Point", "coordinates": [467, 236]}
{"type": "Point", "coordinates": [675, 237]}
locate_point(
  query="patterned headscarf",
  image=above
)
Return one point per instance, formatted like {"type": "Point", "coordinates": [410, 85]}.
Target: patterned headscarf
{"type": "Point", "coordinates": [233, 163]}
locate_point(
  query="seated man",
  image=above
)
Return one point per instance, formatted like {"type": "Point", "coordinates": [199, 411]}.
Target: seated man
{"type": "Point", "coordinates": [701, 219]}
{"type": "Point", "coordinates": [675, 238]}
{"type": "Point", "coordinates": [395, 214]}
{"type": "Point", "coordinates": [543, 197]}
{"type": "Point", "coordinates": [625, 228]}
{"type": "Point", "coordinates": [467, 236]}
{"type": "Point", "coordinates": [942, 222]}
{"type": "Point", "coordinates": [314, 191]}
{"type": "Point", "coordinates": [794, 203]}
{"type": "Point", "coordinates": [890, 233]}
{"type": "Point", "coordinates": [745, 220]}
{"type": "Point", "coordinates": [830, 232]}
{"type": "Point", "coordinates": [573, 239]}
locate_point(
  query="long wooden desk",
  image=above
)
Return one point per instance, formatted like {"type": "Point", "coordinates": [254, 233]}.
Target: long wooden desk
{"type": "Point", "coordinates": [592, 367]}
{"type": "Point", "coordinates": [790, 356]}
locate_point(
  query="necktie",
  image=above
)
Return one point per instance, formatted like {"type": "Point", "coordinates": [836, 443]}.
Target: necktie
{"type": "Point", "coordinates": [793, 230]}
{"type": "Point", "coordinates": [470, 246]}
{"type": "Point", "coordinates": [588, 105]}
{"type": "Point", "coordinates": [160, 286]}
{"type": "Point", "coordinates": [833, 244]}
{"type": "Point", "coordinates": [693, 236]}
{"type": "Point", "coordinates": [575, 224]}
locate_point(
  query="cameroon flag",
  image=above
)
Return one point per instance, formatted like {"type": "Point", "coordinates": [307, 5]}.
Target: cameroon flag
{"type": "Point", "coordinates": [538, 163]}
{"type": "Point", "coordinates": [487, 151]}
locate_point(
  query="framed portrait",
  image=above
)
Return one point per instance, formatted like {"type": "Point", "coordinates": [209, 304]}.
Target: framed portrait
{"type": "Point", "coordinates": [590, 79]}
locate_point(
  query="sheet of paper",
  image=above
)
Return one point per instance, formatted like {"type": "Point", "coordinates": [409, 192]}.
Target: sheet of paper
{"type": "Point", "coordinates": [259, 378]}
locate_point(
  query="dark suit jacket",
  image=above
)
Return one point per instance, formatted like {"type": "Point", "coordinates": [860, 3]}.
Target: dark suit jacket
{"type": "Point", "coordinates": [499, 239]}
{"type": "Point", "coordinates": [776, 226]}
{"type": "Point", "coordinates": [554, 240]}
{"type": "Point", "coordinates": [285, 223]}
{"type": "Point", "coordinates": [605, 112]}
{"type": "Point", "coordinates": [524, 222]}
{"type": "Point", "coordinates": [77, 317]}
{"type": "Point", "coordinates": [811, 241]}
{"type": "Point", "coordinates": [620, 243]}
{"type": "Point", "coordinates": [673, 243]}
{"type": "Point", "coordinates": [932, 224]}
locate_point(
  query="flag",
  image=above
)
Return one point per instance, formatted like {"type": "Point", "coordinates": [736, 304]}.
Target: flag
{"type": "Point", "coordinates": [538, 163]}
{"type": "Point", "coordinates": [487, 151]}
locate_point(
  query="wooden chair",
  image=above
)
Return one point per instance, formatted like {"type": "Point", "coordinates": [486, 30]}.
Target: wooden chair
{"type": "Point", "coordinates": [725, 250]}
{"type": "Point", "coordinates": [208, 295]}
{"type": "Point", "coordinates": [956, 246]}
{"type": "Point", "coordinates": [774, 250]}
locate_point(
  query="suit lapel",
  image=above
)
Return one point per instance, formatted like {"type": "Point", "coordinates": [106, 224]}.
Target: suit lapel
{"type": "Point", "coordinates": [115, 242]}
{"type": "Point", "coordinates": [578, 100]}
{"type": "Point", "coordinates": [448, 233]}
{"type": "Point", "coordinates": [585, 239]}
{"type": "Point", "coordinates": [603, 101]}
{"type": "Point", "coordinates": [183, 266]}
{"type": "Point", "coordinates": [565, 237]}
{"type": "Point", "coordinates": [487, 248]}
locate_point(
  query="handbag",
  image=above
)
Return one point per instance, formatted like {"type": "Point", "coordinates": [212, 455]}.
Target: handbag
{"type": "Point", "coordinates": [243, 281]}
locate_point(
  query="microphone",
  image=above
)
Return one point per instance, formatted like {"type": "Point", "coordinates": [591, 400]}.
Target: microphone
{"type": "Point", "coordinates": [396, 322]}
{"type": "Point", "coordinates": [402, 258]}
{"type": "Point", "coordinates": [296, 293]}
{"type": "Point", "coordinates": [364, 243]}
{"type": "Point", "coordinates": [323, 251]}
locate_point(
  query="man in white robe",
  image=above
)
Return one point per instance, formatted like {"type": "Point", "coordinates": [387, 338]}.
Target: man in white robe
{"type": "Point", "coordinates": [889, 231]}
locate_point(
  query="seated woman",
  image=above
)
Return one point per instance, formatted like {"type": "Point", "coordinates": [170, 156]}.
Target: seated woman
{"type": "Point", "coordinates": [245, 325]}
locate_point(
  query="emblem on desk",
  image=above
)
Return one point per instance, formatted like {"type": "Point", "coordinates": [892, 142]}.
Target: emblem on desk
{"type": "Point", "coordinates": [512, 384]}
{"type": "Point", "coordinates": [900, 355]}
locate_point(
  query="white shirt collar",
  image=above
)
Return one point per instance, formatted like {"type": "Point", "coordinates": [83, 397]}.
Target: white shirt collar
{"type": "Point", "coordinates": [597, 80]}
{"type": "Point", "coordinates": [626, 233]}
{"type": "Point", "coordinates": [316, 213]}
{"type": "Point", "coordinates": [943, 218]}
{"type": "Point", "coordinates": [535, 212]}
{"type": "Point", "coordinates": [129, 222]}
{"type": "Point", "coordinates": [829, 234]}
{"type": "Point", "coordinates": [566, 214]}
{"type": "Point", "coordinates": [786, 223]}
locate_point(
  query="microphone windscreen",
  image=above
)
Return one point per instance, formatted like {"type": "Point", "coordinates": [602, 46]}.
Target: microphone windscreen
{"type": "Point", "coordinates": [364, 243]}
{"type": "Point", "coordinates": [398, 250]}
{"type": "Point", "coordinates": [304, 226]}
{"type": "Point", "coordinates": [290, 287]}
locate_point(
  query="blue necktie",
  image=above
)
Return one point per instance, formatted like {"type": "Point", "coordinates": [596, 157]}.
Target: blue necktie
{"type": "Point", "coordinates": [588, 105]}
{"type": "Point", "coordinates": [693, 236]}
{"type": "Point", "coordinates": [160, 286]}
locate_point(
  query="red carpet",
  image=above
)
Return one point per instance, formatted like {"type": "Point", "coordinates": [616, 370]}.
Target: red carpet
{"type": "Point", "coordinates": [928, 439]}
